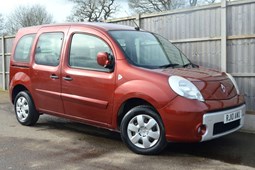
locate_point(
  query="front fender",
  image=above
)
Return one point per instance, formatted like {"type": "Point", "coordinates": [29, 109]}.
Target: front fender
{"type": "Point", "coordinates": [153, 93]}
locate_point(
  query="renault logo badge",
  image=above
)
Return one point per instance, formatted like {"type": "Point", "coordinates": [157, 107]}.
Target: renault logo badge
{"type": "Point", "coordinates": [223, 88]}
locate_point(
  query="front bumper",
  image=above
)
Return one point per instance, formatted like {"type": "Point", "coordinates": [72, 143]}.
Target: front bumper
{"type": "Point", "coordinates": [182, 118]}
{"type": "Point", "coordinates": [214, 122]}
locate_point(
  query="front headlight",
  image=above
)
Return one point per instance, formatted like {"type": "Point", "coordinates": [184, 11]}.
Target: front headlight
{"type": "Point", "coordinates": [185, 88]}
{"type": "Point", "coordinates": [234, 82]}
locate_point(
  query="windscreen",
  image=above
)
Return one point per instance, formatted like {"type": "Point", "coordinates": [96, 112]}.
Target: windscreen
{"type": "Point", "coordinates": [149, 50]}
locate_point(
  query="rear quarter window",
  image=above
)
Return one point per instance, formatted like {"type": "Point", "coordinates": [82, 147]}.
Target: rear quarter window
{"type": "Point", "coordinates": [23, 48]}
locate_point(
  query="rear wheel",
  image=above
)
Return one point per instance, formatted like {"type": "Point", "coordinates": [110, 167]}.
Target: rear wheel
{"type": "Point", "coordinates": [142, 131]}
{"type": "Point", "coordinates": [25, 110]}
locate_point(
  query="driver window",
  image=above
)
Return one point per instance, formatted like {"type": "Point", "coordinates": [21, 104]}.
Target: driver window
{"type": "Point", "coordinates": [84, 50]}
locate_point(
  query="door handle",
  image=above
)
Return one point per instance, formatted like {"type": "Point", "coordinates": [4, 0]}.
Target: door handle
{"type": "Point", "coordinates": [53, 76]}
{"type": "Point", "coordinates": [67, 78]}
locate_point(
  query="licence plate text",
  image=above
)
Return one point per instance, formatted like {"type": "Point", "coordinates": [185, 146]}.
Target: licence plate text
{"type": "Point", "coordinates": [230, 117]}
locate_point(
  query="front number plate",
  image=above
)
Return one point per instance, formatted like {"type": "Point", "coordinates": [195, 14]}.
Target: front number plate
{"type": "Point", "coordinates": [230, 117]}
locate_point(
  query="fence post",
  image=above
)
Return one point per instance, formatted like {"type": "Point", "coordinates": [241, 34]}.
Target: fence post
{"type": "Point", "coordinates": [138, 20]}
{"type": "Point", "coordinates": [223, 35]}
{"type": "Point", "coordinates": [3, 64]}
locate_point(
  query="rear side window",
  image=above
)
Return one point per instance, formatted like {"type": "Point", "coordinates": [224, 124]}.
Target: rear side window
{"type": "Point", "coordinates": [48, 49]}
{"type": "Point", "coordinates": [84, 50]}
{"type": "Point", "coordinates": [23, 48]}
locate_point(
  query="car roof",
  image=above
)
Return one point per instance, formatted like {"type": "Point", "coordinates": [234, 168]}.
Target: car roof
{"type": "Point", "coordinates": [108, 26]}
{"type": "Point", "coordinates": [97, 25]}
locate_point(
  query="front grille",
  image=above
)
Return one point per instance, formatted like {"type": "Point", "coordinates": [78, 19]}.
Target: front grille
{"type": "Point", "coordinates": [224, 109]}
{"type": "Point", "coordinates": [221, 127]}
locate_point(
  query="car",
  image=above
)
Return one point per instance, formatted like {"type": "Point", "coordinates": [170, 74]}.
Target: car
{"type": "Point", "coordinates": [123, 79]}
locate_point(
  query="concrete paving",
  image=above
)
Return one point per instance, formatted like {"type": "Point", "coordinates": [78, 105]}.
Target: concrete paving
{"type": "Point", "coordinates": [56, 143]}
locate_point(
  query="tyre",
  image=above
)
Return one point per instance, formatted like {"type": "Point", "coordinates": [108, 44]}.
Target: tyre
{"type": "Point", "coordinates": [25, 110]}
{"type": "Point", "coordinates": [142, 131]}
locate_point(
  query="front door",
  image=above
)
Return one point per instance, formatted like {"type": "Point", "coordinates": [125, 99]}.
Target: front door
{"type": "Point", "coordinates": [87, 88]}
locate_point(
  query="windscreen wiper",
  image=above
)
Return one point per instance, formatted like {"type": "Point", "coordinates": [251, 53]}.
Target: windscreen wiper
{"type": "Point", "coordinates": [190, 64]}
{"type": "Point", "coordinates": [168, 65]}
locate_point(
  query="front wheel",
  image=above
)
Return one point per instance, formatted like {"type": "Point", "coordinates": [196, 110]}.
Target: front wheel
{"type": "Point", "coordinates": [25, 110]}
{"type": "Point", "coordinates": [142, 131]}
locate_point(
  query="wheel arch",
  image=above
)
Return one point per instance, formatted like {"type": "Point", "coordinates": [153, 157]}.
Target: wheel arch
{"type": "Point", "coordinates": [18, 88]}
{"type": "Point", "coordinates": [20, 81]}
{"type": "Point", "coordinates": [129, 104]}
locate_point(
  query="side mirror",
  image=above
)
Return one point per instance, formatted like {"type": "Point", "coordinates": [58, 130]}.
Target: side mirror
{"type": "Point", "coordinates": [104, 59]}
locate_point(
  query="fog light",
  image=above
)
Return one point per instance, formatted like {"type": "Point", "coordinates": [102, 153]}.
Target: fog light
{"type": "Point", "coordinates": [201, 129]}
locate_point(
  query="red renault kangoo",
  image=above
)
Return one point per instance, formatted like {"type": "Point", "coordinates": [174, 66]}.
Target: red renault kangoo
{"type": "Point", "coordinates": [123, 79]}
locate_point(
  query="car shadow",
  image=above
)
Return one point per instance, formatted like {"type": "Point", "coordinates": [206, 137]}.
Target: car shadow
{"type": "Point", "coordinates": [237, 148]}
{"type": "Point", "coordinates": [51, 122]}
